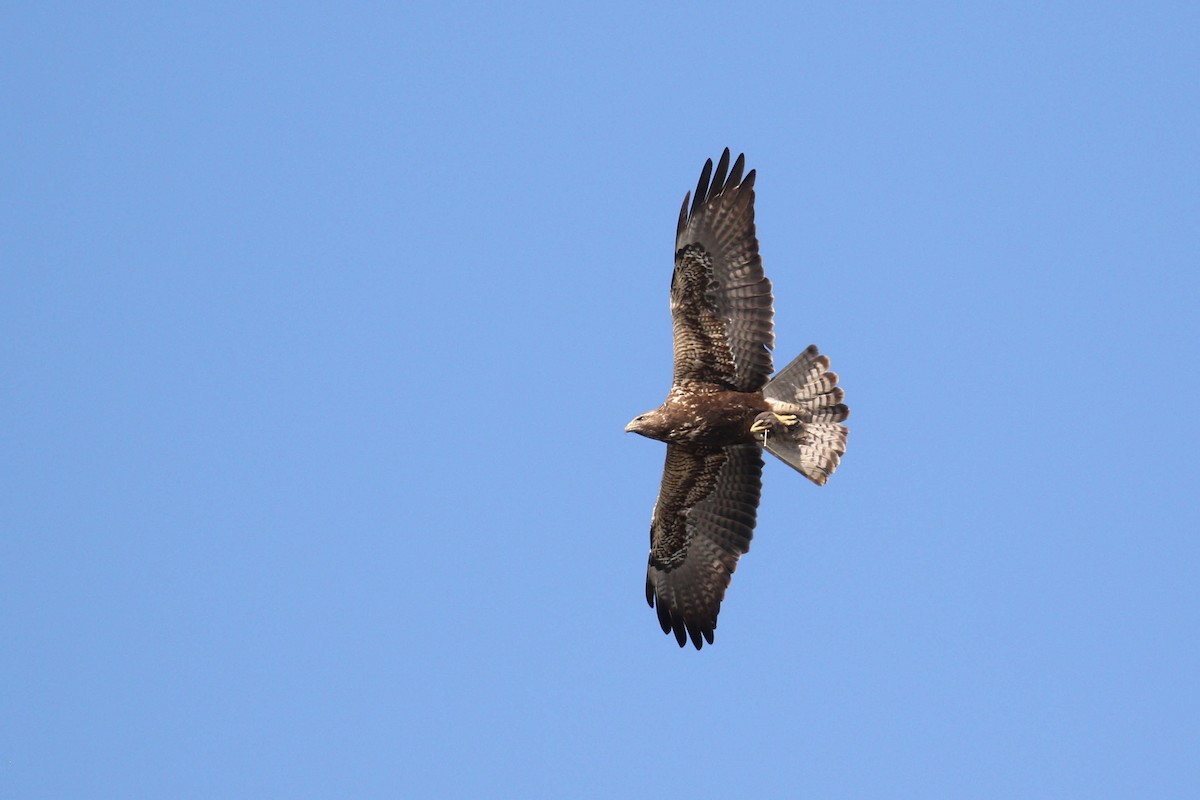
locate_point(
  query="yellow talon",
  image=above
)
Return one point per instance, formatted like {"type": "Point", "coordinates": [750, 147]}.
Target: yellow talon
{"type": "Point", "coordinates": [764, 425]}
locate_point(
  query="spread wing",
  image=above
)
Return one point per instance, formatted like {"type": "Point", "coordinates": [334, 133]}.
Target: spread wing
{"type": "Point", "coordinates": [702, 523]}
{"type": "Point", "coordinates": [721, 303]}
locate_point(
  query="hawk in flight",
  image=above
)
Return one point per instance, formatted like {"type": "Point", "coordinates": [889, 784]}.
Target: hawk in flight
{"type": "Point", "coordinates": [724, 407]}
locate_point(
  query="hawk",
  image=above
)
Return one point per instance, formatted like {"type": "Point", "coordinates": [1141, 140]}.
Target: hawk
{"type": "Point", "coordinates": [724, 407]}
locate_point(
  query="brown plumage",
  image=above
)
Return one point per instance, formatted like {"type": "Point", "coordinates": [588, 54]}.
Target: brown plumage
{"type": "Point", "coordinates": [723, 407]}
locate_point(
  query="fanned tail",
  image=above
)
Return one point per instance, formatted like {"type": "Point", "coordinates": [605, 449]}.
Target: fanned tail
{"type": "Point", "coordinates": [807, 389]}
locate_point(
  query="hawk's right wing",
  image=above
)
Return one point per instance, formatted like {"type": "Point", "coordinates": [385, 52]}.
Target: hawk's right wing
{"type": "Point", "coordinates": [702, 523]}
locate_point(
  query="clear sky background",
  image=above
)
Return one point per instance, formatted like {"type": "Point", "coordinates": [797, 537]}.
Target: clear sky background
{"type": "Point", "coordinates": [320, 327]}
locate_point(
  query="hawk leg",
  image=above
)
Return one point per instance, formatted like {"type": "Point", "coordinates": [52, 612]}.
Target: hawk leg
{"type": "Point", "coordinates": [766, 422]}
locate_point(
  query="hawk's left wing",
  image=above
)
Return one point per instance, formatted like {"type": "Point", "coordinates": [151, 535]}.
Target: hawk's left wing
{"type": "Point", "coordinates": [721, 304]}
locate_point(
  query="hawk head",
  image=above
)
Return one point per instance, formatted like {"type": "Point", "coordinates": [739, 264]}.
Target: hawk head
{"type": "Point", "coordinates": [652, 424]}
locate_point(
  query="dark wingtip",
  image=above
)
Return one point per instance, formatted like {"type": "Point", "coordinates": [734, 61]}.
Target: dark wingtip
{"type": "Point", "coordinates": [680, 633]}
{"type": "Point", "coordinates": [718, 180]}
{"type": "Point", "coordinates": [697, 633]}
{"type": "Point", "coordinates": [735, 174]}
{"type": "Point", "coordinates": [683, 214]}
{"type": "Point", "coordinates": [702, 187]}
{"type": "Point", "coordinates": [713, 184]}
{"type": "Point", "coordinates": [700, 634]}
{"type": "Point", "coordinates": [664, 617]}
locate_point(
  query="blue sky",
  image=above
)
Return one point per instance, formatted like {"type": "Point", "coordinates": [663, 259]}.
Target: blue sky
{"type": "Point", "coordinates": [321, 326]}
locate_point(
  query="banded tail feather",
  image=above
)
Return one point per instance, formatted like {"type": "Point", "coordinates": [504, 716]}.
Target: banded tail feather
{"type": "Point", "coordinates": [807, 389]}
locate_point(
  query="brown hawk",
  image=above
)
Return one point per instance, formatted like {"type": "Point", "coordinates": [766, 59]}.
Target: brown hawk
{"type": "Point", "coordinates": [724, 407]}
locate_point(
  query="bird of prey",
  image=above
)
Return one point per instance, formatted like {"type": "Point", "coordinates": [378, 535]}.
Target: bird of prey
{"type": "Point", "coordinates": [724, 407]}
